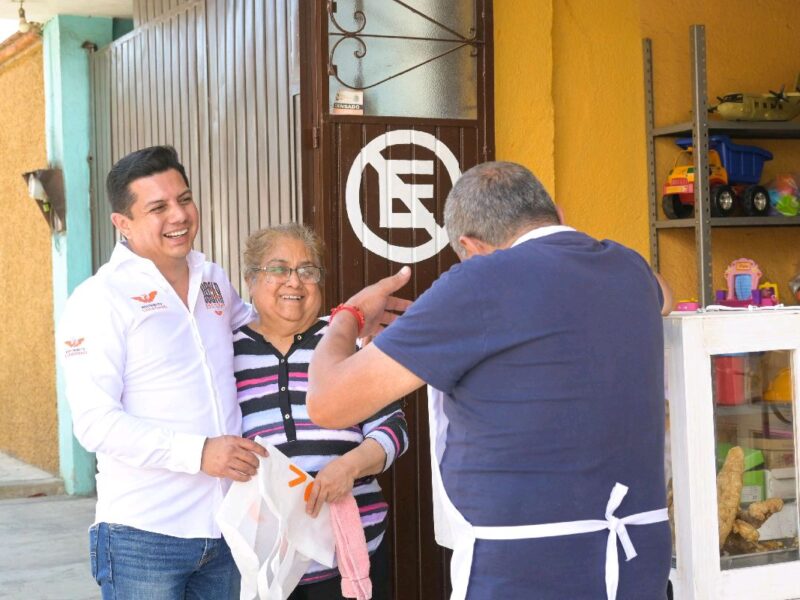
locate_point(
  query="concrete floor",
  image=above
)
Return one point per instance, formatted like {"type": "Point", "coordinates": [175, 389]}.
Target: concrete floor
{"type": "Point", "coordinates": [44, 552]}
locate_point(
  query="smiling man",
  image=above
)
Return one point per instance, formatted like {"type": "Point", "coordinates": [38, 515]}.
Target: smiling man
{"type": "Point", "coordinates": [148, 363]}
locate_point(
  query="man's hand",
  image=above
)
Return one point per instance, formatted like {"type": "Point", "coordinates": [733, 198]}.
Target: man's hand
{"type": "Point", "coordinates": [376, 302]}
{"type": "Point", "coordinates": [331, 483]}
{"type": "Point", "coordinates": [231, 456]}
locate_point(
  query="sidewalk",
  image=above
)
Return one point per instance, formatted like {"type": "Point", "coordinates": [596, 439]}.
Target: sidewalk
{"type": "Point", "coordinates": [43, 540]}
{"type": "Point", "coordinates": [20, 480]}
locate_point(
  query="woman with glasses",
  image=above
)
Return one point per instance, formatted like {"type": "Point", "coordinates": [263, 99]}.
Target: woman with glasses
{"type": "Point", "coordinates": [271, 358]}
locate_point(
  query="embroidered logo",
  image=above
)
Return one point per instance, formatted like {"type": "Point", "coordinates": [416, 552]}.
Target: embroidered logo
{"type": "Point", "coordinates": [213, 297]}
{"type": "Point", "coordinates": [146, 298]}
{"type": "Point", "coordinates": [74, 347]}
{"type": "Point", "coordinates": [147, 301]}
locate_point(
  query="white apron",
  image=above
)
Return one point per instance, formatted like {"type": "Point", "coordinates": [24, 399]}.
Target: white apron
{"type": "Point", "coordinates": [454, 531]}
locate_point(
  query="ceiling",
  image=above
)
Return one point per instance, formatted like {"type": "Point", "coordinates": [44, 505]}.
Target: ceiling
{"type": "Point", "coordinates": [43, 10]}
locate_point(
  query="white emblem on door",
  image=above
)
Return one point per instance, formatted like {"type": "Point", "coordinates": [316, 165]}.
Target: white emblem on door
{"type": "Point", "coordinates": [391, 186]}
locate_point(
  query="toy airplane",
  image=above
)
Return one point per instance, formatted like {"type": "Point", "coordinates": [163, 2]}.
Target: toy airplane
{"type": "Point", "coordinates": [774, 106]}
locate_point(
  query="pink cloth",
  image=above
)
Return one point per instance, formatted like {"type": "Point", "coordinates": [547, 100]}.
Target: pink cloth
{"type": "Point", "coordinates": [351, 548]}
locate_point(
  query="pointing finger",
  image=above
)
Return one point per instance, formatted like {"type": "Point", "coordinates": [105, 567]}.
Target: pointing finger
{"type": "Point", "coordinates": [395, 282]}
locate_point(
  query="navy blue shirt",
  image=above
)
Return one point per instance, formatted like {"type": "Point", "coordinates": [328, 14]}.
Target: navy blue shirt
{"type": "Point", "coordinates": [551, 356]}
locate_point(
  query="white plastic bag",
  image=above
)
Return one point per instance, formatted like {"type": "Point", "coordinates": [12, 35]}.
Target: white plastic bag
{"type": "Point", "coordinates": [271, 537]}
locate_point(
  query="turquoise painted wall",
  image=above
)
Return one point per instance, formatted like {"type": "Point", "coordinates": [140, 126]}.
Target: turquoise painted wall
{"type": "Point", "coordinates": [68, 117]}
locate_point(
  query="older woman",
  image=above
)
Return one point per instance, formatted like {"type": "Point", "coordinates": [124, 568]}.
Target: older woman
{"type": "Point", "coordinates": [271, 358]}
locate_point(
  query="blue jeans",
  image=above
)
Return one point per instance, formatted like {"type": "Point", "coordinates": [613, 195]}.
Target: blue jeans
{"type": "Point", "coordinates": [131, 564]}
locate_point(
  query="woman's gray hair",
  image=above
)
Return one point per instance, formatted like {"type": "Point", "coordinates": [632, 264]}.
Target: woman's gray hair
{"type": "Point", "coordinates": [493, 201]}
{"type": "Point", "coordinates": [262, 241]}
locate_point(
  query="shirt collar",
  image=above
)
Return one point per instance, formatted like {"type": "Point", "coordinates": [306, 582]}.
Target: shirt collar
{"type": "Point", "coordinates": [122, 254]}
{"type": "Point", "coordinates": [540, 232]}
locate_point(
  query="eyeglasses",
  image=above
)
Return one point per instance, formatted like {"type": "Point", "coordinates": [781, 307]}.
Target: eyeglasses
{"type": "Point", "coordinates": [281, 274]}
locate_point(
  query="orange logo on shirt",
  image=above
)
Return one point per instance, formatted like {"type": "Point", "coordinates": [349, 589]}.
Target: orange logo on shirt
{"type": "Point", "coordinates": [74, 348]}
{"type": "Point", "coordinates": [145, 298]}
{"type": "Point", "coordinates": [301, 477]}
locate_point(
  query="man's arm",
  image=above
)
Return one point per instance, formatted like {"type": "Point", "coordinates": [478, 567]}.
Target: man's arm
{"type": "Point", "coordinates": [347, 387]}
{"type": "Point", "coordinates": [91, 343]}
{"type": "Point", "coordinates": [666, 306]}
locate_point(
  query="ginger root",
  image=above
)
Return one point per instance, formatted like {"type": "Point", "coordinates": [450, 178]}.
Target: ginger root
{"type": "Point", "coordinates": [758, 512]}
{"type": "Point", "coordinates": [729, 490]}
{"type": "Point", "coordinates": [736, 545]}
{"type": "Point", "coordinates": [746, 531]}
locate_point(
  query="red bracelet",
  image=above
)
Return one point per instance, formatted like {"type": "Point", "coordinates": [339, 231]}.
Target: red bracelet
{"type": "Point", "coordinates": [353, 310]}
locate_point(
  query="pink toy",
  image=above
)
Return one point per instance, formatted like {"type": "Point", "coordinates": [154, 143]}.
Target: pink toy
{"type": "Point", "coordinates": [687, 306]}
{"type": "Point", "coordinates": [742, 277]}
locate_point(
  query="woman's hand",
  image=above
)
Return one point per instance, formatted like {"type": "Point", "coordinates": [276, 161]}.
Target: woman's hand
{"type": "Point", "coordinates": [331, 483]}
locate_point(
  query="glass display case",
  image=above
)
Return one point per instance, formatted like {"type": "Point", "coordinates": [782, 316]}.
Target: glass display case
{"type": "Point", "coordinates": [731, 453]}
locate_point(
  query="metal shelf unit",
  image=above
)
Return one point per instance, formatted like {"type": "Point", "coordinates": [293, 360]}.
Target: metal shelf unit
{"type": "Point", "coordinates": [699, 128]}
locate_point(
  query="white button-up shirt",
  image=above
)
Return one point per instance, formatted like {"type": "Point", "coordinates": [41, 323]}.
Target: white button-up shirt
{"type": "Point", "coordinates": [148, 380]}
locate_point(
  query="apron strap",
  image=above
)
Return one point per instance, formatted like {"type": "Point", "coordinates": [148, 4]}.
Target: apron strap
{"type": "Point", "coordinates": [616, 530]}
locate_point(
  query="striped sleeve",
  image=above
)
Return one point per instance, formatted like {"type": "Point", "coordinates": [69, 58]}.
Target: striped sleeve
{"type": "Point", "coordinates": [389, 428]}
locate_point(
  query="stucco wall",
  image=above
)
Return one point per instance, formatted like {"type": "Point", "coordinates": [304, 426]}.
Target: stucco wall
{"type": "Point", "coordinates": [523, 63]}
{"type": "Point", "coordinates": [599, 111]}
{"type": "Point", "coordinates": [28, 427]}
{"type": "Point", "coordinates": [569, 104]}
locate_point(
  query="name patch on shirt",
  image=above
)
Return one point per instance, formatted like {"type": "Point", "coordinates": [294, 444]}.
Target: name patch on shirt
{"type": "Point", "coordinates": [148, 301]}
{"type": "Point", "coordinates": [213, 297]}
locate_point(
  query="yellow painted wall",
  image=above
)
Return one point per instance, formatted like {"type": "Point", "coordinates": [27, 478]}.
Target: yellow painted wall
{"type": "Point", "coordinates": [523, 62]}
{"type": "Point", "coordinates": [28, 427]}
{"type": "Point", "coordinates": [592, 107]}
{"type": "Point", "coordinates": [599, 110]}
{"type": "Point", "coordinates": [569, 105]}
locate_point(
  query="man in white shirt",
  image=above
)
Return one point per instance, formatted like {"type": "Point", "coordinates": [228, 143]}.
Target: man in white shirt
{"type": "Point", "coordinates": [146, 349]}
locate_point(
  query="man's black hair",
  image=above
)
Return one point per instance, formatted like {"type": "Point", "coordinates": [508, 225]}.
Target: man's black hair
{"type": "Point", "coordinates": [142, 163]}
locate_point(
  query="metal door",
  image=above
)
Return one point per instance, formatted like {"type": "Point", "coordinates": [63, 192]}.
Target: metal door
{"type": "Point", "coordinates": [375, 185]}
{"type": "Point", "coordinates": [219, 80]}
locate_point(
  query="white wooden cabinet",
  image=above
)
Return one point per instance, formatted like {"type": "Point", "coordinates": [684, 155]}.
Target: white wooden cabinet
{"type": "Point", "coordinates": [729, 380]}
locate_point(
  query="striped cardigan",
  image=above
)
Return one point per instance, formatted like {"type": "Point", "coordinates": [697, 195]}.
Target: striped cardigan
{"type": "Point", "coordinates": [271, 390]}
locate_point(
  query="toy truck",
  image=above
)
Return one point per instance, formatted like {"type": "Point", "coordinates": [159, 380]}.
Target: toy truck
{"type": "Point", "coordinates": [734, 173]}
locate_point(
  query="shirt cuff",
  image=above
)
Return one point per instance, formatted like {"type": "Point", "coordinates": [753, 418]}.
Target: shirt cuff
{"type": "Point", "coordinates": [187, 452]}
{"type": "Point", "coordinates": [387, 443]}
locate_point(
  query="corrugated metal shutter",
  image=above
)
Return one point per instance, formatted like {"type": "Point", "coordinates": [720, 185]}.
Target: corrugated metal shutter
{"type": "Point", "coordinates": [219, 81]}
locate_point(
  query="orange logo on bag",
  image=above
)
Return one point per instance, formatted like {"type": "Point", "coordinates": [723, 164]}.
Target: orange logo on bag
{"type": "Point", "coordinates": [145, 298]}
{"type": "Point", "coordinates": [73, 343]}
{"type": "Point", "coordinates": [301, 477]}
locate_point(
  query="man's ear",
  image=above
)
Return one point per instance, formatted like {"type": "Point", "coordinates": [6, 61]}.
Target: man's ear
{"type": "Point", "coordinates": [560, 214]}
{"type": "Point", "coordinates": [473, 246]}
{"type": "Point", "coordinates": [122, 223]}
